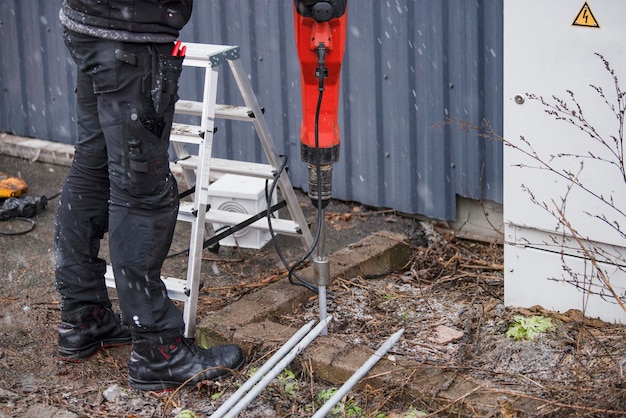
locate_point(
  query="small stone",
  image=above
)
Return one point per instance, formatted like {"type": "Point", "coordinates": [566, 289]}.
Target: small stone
{"type": "Point", "coordinates": [114, 393]}
{"type": "Point", "coordinates": [445, 335]}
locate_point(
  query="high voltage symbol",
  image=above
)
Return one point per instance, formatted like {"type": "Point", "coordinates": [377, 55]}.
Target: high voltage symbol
{"type": "Point", "coordinates": [586, 18]}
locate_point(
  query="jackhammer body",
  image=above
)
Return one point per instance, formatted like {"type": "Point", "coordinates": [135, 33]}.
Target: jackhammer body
{"type": "Point", "coordinates": [320, 29]}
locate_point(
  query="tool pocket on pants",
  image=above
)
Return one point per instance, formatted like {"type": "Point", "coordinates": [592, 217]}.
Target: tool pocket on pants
{"type": "Point", "coordinates": [96, 59]}
{"type": "Point", "coordinates": [166, 71]}
{"type": "Point", "coordinates": [146, 158]}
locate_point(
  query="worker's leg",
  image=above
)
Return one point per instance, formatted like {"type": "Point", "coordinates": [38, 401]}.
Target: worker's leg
{"type": "Point", "coordinates": [136, 88]}
{"type": "Point", "coordinates": [82, 212]}
{"type": "Point", "coordinates": [144, 206]}
{"type": "Point", "coordinates": [143, 199]}
{"type": "Point", "coordinates": [82, 216]}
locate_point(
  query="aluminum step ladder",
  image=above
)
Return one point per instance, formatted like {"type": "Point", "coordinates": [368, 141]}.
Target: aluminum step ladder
{"type": "Point", "coordinates": [196, 169]}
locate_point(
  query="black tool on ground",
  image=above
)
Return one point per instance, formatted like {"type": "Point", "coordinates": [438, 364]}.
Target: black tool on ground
{"type": "Point", "coordinates": [22, 207]}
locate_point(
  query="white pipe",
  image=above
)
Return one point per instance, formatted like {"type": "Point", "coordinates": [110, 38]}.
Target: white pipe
{"type": "Point", "coordinates": [264, 369]}
{"type": "Point", "coordinates": [354, 379]}
{"type": "Point", "coordinates": [321, 270]}
{"type": "Point", "coordinates": [278, 368]}
{"type": "Point", "coordinates": [321, 293]}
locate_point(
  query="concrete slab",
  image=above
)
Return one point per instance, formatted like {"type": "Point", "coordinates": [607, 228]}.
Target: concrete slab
{"type": "Point", "coordinates": [36, 149]}
{"type": "Point", "coordinates": [380, 253]}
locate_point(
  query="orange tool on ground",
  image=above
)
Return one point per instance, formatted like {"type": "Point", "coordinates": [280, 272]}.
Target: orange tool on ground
{"type": "Point", "coordinates": [11, 186]}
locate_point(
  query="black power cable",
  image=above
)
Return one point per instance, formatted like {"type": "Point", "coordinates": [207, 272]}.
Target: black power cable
{"type": "Point", "coordinates": [320, 207]}
{"type": "Point", "coordinates": [29, 227]}
{"type": "Point", "coordinates": [230, 230]}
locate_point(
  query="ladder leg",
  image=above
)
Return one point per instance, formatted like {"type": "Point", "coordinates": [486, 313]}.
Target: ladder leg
{"type": "Point", "coordinates": [270, 150]}
{"type": "Point", "coordinates": [201, 201]}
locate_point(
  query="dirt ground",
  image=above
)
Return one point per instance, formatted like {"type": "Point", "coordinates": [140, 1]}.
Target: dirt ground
{"type": "Point", "coordinates": [448, 300]}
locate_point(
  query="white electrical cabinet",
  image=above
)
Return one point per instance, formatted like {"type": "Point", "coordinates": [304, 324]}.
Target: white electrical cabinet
{"type": "Point", "coordinates": [244, 195]}
{"type": "Point", "coordinates": [564, 188]}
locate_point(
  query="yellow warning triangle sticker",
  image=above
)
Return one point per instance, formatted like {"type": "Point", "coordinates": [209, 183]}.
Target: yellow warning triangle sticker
{"type": "Point", "coordinates": [586, 18]}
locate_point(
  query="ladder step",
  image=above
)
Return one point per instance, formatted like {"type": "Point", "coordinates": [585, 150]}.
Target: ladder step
{"type": "Point", "coordinates": [219, 165]}
{"type": "Point", "coordinates": [176, 288]}
{"type": "Point", "coordinates": [189, 134]}
{"type": "Point", "coordinates": [280, 226]}
{"type": "Point", "coordinates": [222, 111]}
{"type": "Point", "coordinates": [188, 107]}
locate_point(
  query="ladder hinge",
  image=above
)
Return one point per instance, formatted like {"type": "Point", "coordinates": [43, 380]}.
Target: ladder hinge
{"type": "Point", "coordinates": [187, 291]}
{"type": "Point", "coordinates": [232, 54]}
{"type": "Point", "coordinates": [251, 113]}
{"type": "Point", "coordinates": [214, 132]}
{"type": "Point", "coordinates": [216, 59]}
{"type": "Point", "coordinates": [194, 211]}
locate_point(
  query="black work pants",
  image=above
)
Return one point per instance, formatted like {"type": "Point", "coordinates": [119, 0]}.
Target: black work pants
{"type": "Point", "coordinates": [120, 182]}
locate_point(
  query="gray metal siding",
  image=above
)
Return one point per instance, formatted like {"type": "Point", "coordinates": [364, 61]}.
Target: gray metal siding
{"type": "Point", "coordinates": [409, 65]}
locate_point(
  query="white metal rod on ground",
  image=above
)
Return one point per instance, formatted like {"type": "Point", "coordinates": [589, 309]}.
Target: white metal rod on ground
{"type": "Point", "coordinates": [278, 368]}
{"type": "Point", "coordinates": [321, 293]}
{"type": "Point", "coordinates": [322, 272]}
{"type": "Point", "coordinates": [354, 379]}
{"type": "Point", "coordinates": [263, 370]}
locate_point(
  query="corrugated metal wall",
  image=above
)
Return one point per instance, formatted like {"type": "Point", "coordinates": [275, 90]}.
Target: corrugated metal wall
{"type": "Point", "coordinates": [409, 65]}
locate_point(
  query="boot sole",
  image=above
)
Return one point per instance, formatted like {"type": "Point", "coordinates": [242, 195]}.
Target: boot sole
{"type": "Point", "coordinates": [78, 354]}
{"type": "Point", "coordinates": [161, 385]}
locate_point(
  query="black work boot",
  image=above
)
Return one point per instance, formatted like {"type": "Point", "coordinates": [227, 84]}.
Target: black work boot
{"type": "Point", "coordinates": [86, 330]}
{"type": "Point", "coordinates": [156, 366]}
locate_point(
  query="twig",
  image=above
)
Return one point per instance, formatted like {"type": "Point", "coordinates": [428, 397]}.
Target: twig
{"type": "Point", "coordinates": [560, 404]}
{"type": "Point", "coordinates": [242, 285]}
{"type": "Point", "coordinates": [182, 385]}
{"type": "Point", "coordinates": [498, 267]}
{"type": "Point", "coordinates": [601, 273]}
{"type": "Point", "coordinates": [432, 414]}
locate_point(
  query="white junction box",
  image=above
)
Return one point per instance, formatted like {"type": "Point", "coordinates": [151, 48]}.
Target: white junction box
{"type": "Point", "coordinates": [563, 66]}
{"type": "Point", "coordinates": [243, 195]}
